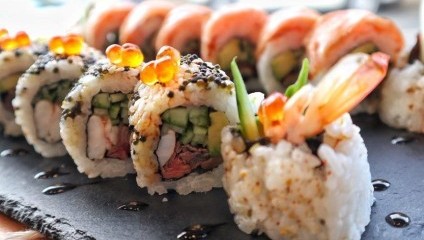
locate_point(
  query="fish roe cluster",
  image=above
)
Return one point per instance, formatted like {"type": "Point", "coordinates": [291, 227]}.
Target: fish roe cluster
{"type": "Point", "coordinates": [8, 42]}
{"type": "Point", "coordinates": [127, 55]}
{"type": "Point", "coordinates": [71, 44]}
{"type": "Point", "coordinates": [271, 114]}
{"type": "Point", "coordinates": [163, 69]}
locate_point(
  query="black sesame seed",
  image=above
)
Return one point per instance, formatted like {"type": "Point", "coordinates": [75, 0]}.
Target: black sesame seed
{"type": "Point", "coordinates": [18, 53]}
{"type": "Point", "coordinates": [70, 61]}
{"type": "Point", "coordinates": [143, 138]}
{"type": "Point", "coordinates": [170, 94]}
{"type": "Point", "coordinates": [181, 88]}
{"type": "Point", "coordinates": [55, 70]}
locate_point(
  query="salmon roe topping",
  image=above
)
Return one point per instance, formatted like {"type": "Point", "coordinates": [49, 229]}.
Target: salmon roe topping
{"type": "Point", "coordinates": [127, 55]}
{"type": "Point", "coordinates": [148, 74]}
{"type": "Point", "coordinates": [164, 68]}
{"type": "Point", "coordinates": [71, 44]}
{"type": "Point", "coordinates": [7, 42]}
{"type": "Point", "coordinates": [271, 113]}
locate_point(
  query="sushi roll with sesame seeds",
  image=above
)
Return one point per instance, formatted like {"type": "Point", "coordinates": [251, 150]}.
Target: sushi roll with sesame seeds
{"type": "Point", "coordinates": [17, 54]}
{"type": "Point", "coordinates": [42, 88]}
{"type": "Point", "coordinates": [303, 173]}
{"type": "Point", "coordinates": [94, 124]}
{"type": "Point", "coordinates": [177, 114]}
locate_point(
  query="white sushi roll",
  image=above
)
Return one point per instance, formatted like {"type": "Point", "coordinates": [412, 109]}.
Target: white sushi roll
{"type": "Point", "coordinates": [13, 63]}
{"type": "Point", "coordinates": [39, 95]}
{"type": "Point", "coordinates": [177, 125]}
{"type": "Point", "coordinates": [307, 176]}
{"type": "Point", "coordinates": [94, 123]}
{"type": "Point", "coordinates": [402, 98]}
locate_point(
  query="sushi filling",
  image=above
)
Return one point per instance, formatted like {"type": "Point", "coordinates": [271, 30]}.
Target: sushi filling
{"type": "Point", "coordinates": [108, 132]}
{"type": "Point", "coordinates": [286, 65]}
{"type": "Point", "coordinates": [7, 90]}
{"type": "Point", "coordinates": [47, 109]}
{"type": "Point", "coordinates": [190, 140]}
{"type": "Point", "coordinates": [365, 48]}
{"type": "Point", "coordinates": [192, 46]}
{"type": "Point", "coordinates": [244, 51]}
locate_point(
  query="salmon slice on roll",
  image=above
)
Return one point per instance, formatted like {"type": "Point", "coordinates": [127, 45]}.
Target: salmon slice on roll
{"type": "Point", "coordinates": [346, 31]}
{"type": "Point", "coordinates": [234, 31]}
{"type": "Point", "coordinates": [183, 27]}
{"type": "Point", "coordinates": [281, 47]}
{"type": "Point", "coordinates": [339, 33]}
{"type": "Point", "coordinates": [103, 23]}
{"type": "Point", "coordinates": [142, 25]}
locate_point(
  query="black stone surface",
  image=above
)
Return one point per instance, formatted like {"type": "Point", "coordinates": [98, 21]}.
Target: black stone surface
{"type": "Point", "coordinates": [90, 212]}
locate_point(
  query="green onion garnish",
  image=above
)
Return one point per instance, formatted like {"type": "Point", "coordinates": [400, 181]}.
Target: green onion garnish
{"type": "Point", "coordinates": [301, 81]}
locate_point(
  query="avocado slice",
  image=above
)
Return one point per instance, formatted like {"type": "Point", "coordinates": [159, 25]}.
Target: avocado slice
{"type": "Point", "coordinates": [235, 47]}
{"type": "Point", "coordinates": [9, 82]}
{"type": "Point", "coordinates": [218, 122]}
{"type": "Point", "coordinates": [283, 64]}
{"type": "Point", "coordinates": [365, 48]}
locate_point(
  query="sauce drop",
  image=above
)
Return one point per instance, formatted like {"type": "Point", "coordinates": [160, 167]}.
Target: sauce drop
{"type": "Point", "coordinates": [380, 185]}
{"type": "Point", "coordinates": [59, 188]}
{"type": "Point", "coordinates": [53, 173]}
{"type": "Point", "coordinates": [398, 219]}
{"type": "Point", "coordinates": [133, 206]}
{"type": "Point", "coordinates": [13, 152]}
{"type": "Point", "coordinates": [402, 140]}
{"type": "Point", "coordinates": [197, 231]}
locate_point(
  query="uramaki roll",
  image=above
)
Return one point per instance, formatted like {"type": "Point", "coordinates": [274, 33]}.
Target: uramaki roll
{"type": "Point", "coordinates": [177, 126]}
{"type": "Point", "coordinates": [234, 31]}
{"type": "Point", "coordinates": [40, 92]}
{"type": "Point", "coordinates": [13, 63]}
{"type": "Point", "coordinates": [94, 124]}
{"type": "Point", "coordinates": [281, 47]}
{"type": "Point", "coordinates": [182, 28]}
{"type": "Point", "coordinates": [143, 23]}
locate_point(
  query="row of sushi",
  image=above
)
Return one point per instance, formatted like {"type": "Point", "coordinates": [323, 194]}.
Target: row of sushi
{"type": "Point", "coordinates": [270, 47]}
{"type": "Point", "coordinates": [290, 163]}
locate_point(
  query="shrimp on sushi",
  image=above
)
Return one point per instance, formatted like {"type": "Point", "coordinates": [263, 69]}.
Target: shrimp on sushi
{"type": "Point", "coordinates": [303, 172]}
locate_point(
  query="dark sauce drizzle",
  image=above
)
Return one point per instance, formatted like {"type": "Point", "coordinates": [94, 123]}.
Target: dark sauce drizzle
{"type": "Point", "coordinates": [64, 187]}
{"type": "Point", "coordinates": [197, 231]}
{"type": "Point", "coordinates": [53, 173]}
{"type": "Point", "coordinates": [13, 152]}
{"type": "Point", "coordinates": [402, 140]}
{"type": "Point", "coordinates": [398, 219]}
{"type": "Point", "coordinates": [134, 206]}
{"type": "Point", "coordinates": [380, 185]}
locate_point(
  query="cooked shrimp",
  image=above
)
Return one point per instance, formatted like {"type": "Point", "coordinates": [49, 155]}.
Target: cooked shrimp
{"type": "Point", "coordinates": [309, 110]}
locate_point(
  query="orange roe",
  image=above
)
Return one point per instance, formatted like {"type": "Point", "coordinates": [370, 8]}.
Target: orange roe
{"type": "Point", "coordinates": [173, 53]}
{"type": "Point", "coordinates": [73, 44]}
{"type": "Point", "coordinates": [127, 55]}
{"type": "Point", "coordinates": [3, 32]}
{"type": "Point", "coordinates": [148, 74]}
{"type": "Point", "coordinates": [22, 39]}
{"type": "Point", "coordinates": [271, 114]}
{"type": "Point", "coordinates": [56, 45]}
{"type": "Point", "coordinates": [114, 53]}
{"type": "Point", "coordinates": [8, 43]}
{"type": "Point", "coordinates": [166, 69]}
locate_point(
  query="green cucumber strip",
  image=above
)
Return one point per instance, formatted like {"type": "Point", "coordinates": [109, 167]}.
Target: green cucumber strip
{"type": "Point", "coordinates": [301, 81]}
{"type": "Point", "coordinates": [246, 114]}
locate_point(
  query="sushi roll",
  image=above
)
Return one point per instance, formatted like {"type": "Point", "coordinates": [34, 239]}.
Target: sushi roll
{"type": "Point", "coordinates": [234, 31]}
{"type": "Point", "coordinates": [306, 174]}
{"type": "Point", "coordinates": [94, 124]}
{"type": "Point", "coordinates": [347, 31]}
{"type": "Point", "coordinates": [42, 88]}
{"type": "Point", "coordinates": [182, 28]}
{"type": "Point", "coordinates": [177, 114]}
{"type": "Point", "coordinates": [101, 28]}
{"type": "Point", "coordinates": [17, 54]}
{"type": "Point", "coordinates": [142, 25]}
{"type": "Point", "coordinates": [281, 47]}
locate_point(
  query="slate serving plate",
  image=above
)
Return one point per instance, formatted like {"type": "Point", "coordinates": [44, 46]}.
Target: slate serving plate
{"type": "Point", "coordinates": [90, 212]}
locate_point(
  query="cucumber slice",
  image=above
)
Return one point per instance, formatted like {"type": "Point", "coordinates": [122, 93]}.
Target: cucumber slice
{"type": "Point", "coordinates": [178, 116]}
{"type": "Point", "coordinates": [166, 116]}
{"type": "Point", "coordinates": [101, 100]}
{"type": "Point", "coordinates": [100, 111]}
{"type": "Point", "coordinates": [187, 136]}
{"type": "Point", "coordinates": [117, 97]}
{"type": "Point", "coordinates": [114, 111]}
{"type": "Point", "coordinates": [200, 130]}
{"type": "Point", "coordinates": [199, 116]}
{"type": "Point", "coordinates": [115, 121]}
{"type": "Point", "coordinates": [124, 103]}
{"type": "Point", "coordinates": [199, 139]}
{"type": "Point", "coordinates": [124, 112]}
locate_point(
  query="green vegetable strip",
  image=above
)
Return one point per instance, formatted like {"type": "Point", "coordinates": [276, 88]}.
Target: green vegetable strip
{"type": "Point", "coordinates": [301, 81]}
{"type": "Point", "coordinates": [246, 114]}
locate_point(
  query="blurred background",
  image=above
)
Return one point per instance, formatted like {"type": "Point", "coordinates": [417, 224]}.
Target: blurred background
{"type": "Point", "coordinates": [47, 17]}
